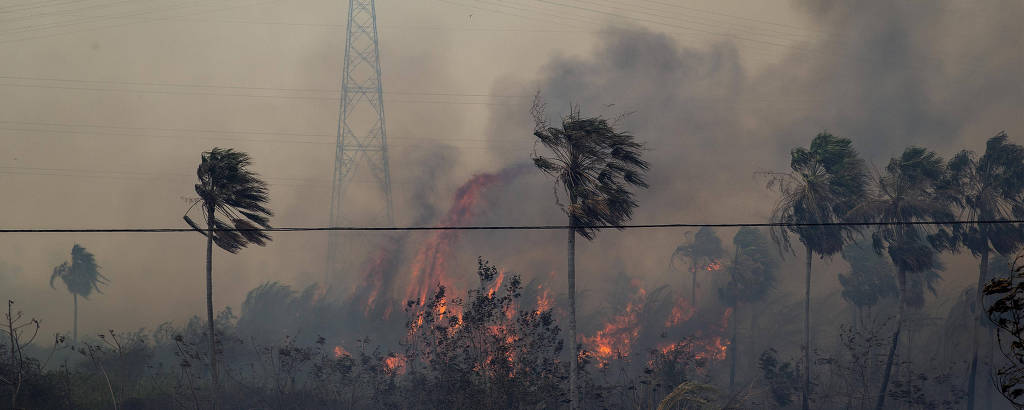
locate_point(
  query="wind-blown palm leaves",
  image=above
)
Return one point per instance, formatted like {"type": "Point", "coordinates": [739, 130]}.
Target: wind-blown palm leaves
{"type": "Point", "coordinates": [989, 188]}
{"type": "Point", "coordinates": [594, 167]}
{"type": "Point", "coordinates": [825, 184]}
{"type": "Point", "coordinates": [910, 190]}
{"type": "Point", "coordinates": [234, 201]}
{"type": "Point", "coordinates": [82, 276]}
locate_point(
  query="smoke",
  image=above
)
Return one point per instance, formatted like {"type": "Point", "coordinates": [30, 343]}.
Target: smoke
{"type": "Point", "coordinates": [887, 74]}
{"type": "Point", "coordinates": [942, 74]}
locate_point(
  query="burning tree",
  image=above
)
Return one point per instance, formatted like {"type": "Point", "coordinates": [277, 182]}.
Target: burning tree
{"type": "Point", "coordinates": [594, 166]}
{"type": "Point", "coordinates": [485, 351]}
{"type": "Point", "coordinates": [703, 251]}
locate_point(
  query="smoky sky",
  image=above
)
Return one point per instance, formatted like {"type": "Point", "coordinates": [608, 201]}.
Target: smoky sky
{"type": "Point", "coordinates": [886, 74]}
{"type": "Point", "coordinates": [712, 111]}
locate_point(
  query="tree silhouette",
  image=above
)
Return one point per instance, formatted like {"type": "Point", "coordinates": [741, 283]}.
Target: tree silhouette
{"type": "Point", "coordinates": [82, 276]}
{"type": "Point", "coordinates": [234, 203]}
{"type": "Point", "coordinates": [703, 251]}
{"type": "Point", "coordinates": [594, 166]}
{"type": "Point", "coordinates": [751, 276]}
{"type": "Point", "coordinates": [826, 182]}
{"type": "Point", "coordinates": [910, 190]}
{"type": "Point", "coordinates": [871, 277]}
{"type": "Point", "coordinates": [988, 188]}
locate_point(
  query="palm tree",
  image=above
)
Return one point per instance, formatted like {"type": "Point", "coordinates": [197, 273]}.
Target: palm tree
{"type": "Point", "coordinates": [988, 188]}
{"type": "Point", "coordinates": [81, 277]}
{"type": "Point", "coordinates": [234, 203]}
{"type": "Point", "coordinates": [825, 183]}
{"type": "Point", "coordinates": [752, 275]}
{"type": "Point", "coordinates": [871, 278]}
{"type": "Point", "coordinates": [909, 191]}
{"type": "Point", "coordinates": [703, 251]}
{"type": "Point", "coordinates": [594, 166]}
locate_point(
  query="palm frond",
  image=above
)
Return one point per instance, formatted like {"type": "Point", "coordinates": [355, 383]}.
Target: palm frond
{"type": "Point", "coordinates": [82, 275]}
{"type": "Point", "coordinates": [824, 185]}
{"type": "Point", "coordinates": [236, 196]}
{"type": "Point", "coordinates": [594, 166]}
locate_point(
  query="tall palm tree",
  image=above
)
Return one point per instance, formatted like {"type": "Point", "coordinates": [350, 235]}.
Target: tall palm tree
{"type": "Point", "coordinates": [234, 203]}
{"type": "Point", "coordinates": [988, 188]}
{"type": "Point", "coordinates": [909, 191]}
{"type": "Point", "coordinates": [81, 276]}
{"type": "Point", "coordinates": [752, 275]}
{"type": "Point", "coordinates": [702, 251]}
{"type": "Point", "coordinates": [594, 166]}
{"type": "Point", "coordinates": [825, 183]}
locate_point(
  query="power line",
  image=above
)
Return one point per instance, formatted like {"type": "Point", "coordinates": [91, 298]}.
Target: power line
{"type": "Point", "coordinates": [514, 227]}
{"type": "Point", "coordinates": [287, 97]}
{"type": "Point", "coordinates": [253, 3]}
{"type": "Point", "coordinates": [242, 87]}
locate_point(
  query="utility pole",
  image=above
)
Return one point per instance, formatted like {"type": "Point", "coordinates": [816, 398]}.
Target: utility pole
{"type": "Point", "coordinates": [362, 137]}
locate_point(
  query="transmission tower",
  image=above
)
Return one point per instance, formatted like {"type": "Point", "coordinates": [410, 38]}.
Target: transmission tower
{"type": "Point", "coordinates": [362, 138]}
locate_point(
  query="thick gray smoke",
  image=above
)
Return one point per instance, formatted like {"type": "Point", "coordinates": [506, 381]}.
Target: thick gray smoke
{"type": "Point", "coordinates": [944, 74]}
{"type": "Point", "coordinates": [887, 74]}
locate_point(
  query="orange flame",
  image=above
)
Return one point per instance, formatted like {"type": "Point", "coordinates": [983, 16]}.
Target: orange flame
{"type": "Point", "coordinates": [681, 312]}
{"type": "Point", "coordinates": [395, 363]}
{"type": "Point", "coordinates": [617, 336]}
{"type": "Point", "coordinates": [340, 351]}
{"type": "Point", "coordinates": [543, 301]}
{"type": "Point", "coordinates": [430, 265]}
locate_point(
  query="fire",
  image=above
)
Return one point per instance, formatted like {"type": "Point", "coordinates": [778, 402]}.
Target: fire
{"type": "Point", "coordinates": [340, 351]}
{"type": "Point", "coordinates": [374, 290]}
{"type": "Point", "coordinates": [681, 312]}
{"type": "Point", "coordinates": [497, 283]}
{"type": "Point", "coordinates": [616, 338]}
{"type": "Point", "coordinates": [713, 349]}
{"type": "Point", "coordinates": [713, 266]}
{"type": "Point", "coordinates": [543, 300]}
{"type": "Point", "coordinates": [395, 363]}
{"type": "Point", "coordinates": [430, 265]}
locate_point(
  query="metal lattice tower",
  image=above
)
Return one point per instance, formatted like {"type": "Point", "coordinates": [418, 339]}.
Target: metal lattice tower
{"type": "Point", "coordinates": [362, 138]}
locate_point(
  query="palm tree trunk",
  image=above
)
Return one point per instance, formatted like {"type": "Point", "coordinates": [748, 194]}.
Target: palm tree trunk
{"type": "Point", "coordinates": [209, 302]}
{"type": "Point", "coordinates": [573, 362]}
{"type": "Point", "coordinates": [693, 285]}
{"type": "Point", "coordinates": [895, 341]}
{"type": "Point", "coordinates": [807, 333]}
{"type": "Point", "coordinates": [972, 374]}
{"type": "Point", "coordinates": [733, 350]}
{"type": "Point", "coordinates": [75, 334]}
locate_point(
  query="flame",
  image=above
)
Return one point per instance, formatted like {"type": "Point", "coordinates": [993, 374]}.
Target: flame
{"type": "Point", "coordinates": [710, 348]}
{"type": "Point", "coordinates": [497, 283]}
{"type": "Point", "coordinates": [714, 265]}
{"type": "Point", "coordinates": [395, 363]}
{"type": "Point", "coordinates": [543, 300]}
{"type": "Point", "coordinates": [374, 290]}
{"type": "Point", "coordinates": [616, 338]}
{"type": "Point", "coordinates": [681, 312]}
{"type": "Point", "coordinates": [430, 266]}
{"type": "Point", "coordinates": [340, 351]}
